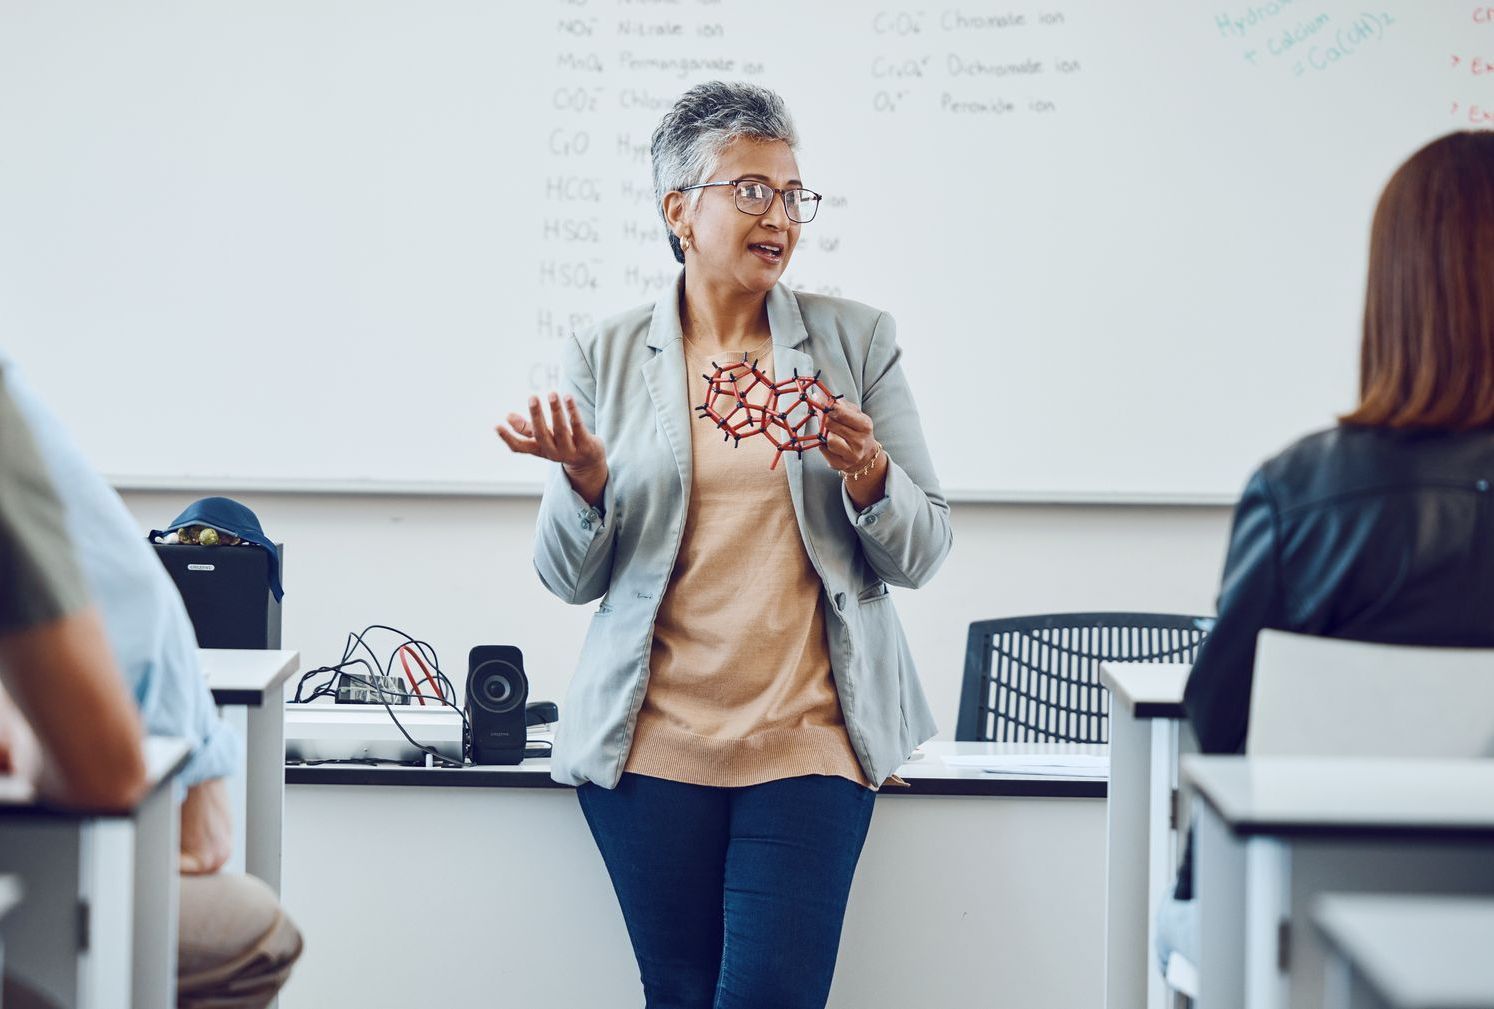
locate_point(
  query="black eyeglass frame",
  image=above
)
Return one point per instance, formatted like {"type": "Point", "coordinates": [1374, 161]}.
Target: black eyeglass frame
{"type": "Point", "coordinates": [777, 194]}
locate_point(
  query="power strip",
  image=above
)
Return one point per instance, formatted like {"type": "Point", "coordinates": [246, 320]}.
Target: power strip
{"type": "Point", "coordinates": [323, 731]}
{"type": "Point", "coordinates": [374, 689]}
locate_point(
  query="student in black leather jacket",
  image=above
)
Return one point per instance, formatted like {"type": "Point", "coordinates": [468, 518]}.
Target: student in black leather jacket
{"type": "Point", "coordinates": [1382, 528]}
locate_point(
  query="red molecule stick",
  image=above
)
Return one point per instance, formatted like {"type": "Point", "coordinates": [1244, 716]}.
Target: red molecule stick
{"type": "Point", "coordinates": [788, 413]}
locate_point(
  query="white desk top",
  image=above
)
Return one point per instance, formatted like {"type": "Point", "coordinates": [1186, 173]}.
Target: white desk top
{"type": "Point", "coordinates": [1148, 689]}
{"type": "Point", "coordinates": [247, 675]}
{"type": "Point", "coordinates": [931, 766]}
{"type": "Point", "coordinates": [1312, 795]}
{"type": "Point", "coordinates": [164, 756]}
{"type": "Point", "coordinates": [1417, 952]}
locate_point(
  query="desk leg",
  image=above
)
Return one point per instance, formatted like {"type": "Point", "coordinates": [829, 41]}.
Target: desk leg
{"type": "Point", "coordinates": [1267, 893]}
{"type": "Point", "coordinates": [1160, 860]}
{"type": "Point", "coordinates": [157, 892]}
{"type": "Point", "coordinates": [1219, 887]}
{"type": "Point", "coordinates": [1345, 988]}
{"type": "Point", "coordinates": [1127, 958]}
{"type": "Point", "coordinates": [264, 785]}
{"type": "Point", "coordinates": [236, 717]}
{"type": "Point", "coordinates": [109, 885]}
{"type": "Point", "coordinates": [43, 933]}
{"type": "Point", "coordinates": [70, 937]}
{"type": "Point", "coordinates": [1314, 867]}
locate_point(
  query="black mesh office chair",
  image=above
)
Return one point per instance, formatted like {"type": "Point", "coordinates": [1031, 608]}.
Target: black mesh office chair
{"type": "Point", "coordinates": [1036, 679]}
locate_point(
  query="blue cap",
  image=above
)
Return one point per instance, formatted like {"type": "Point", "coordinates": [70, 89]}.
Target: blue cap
{"type": "Point", "coordinates": [229, 516]}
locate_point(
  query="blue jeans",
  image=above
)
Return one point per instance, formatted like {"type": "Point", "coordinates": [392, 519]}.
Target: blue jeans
{"type": "Point", "coordinates": [733, 897]}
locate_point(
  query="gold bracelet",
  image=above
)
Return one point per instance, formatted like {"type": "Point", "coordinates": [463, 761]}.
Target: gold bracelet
{"type": "Point", "coordinates": [876, 456]}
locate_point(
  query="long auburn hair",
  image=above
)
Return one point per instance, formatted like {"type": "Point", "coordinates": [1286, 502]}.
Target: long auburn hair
{"type": "Point", "coordinates": [1427, 358]}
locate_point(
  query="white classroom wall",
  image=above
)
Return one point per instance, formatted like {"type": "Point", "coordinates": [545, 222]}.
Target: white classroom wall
{"type": "Point", "coordinates": [457, 572]}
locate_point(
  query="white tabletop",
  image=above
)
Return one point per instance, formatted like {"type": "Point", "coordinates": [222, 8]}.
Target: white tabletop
{"type": "Point", "coordinates": [1284, 795]}
{"type": "Point", "coordinates": [247, 675]}
{"type": "Point", "coordinates": [1148, 689]}
{"type": "Point", "coordinates": [928, 760]}
{"type": "Point", "coordinates": [1417, 952]}
{"type": "Point", "coordinates": [164, 756]}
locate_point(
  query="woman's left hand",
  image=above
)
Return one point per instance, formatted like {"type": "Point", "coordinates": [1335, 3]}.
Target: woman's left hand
{"type": "Point", "coordinates": [851, 447]}
{"type": "Point", "coordinates": [850, 443]}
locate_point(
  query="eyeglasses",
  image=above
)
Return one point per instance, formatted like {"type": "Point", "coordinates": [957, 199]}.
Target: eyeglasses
{"type": "Point", "coordinates": [755, 198]}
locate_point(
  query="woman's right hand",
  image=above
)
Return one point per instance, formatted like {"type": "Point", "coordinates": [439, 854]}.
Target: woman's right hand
{"type": "Point", "coordinates": [564, 440]}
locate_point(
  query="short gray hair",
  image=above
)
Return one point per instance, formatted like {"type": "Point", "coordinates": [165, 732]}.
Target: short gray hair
{"type": "Point", "coordinates": [690, 138]}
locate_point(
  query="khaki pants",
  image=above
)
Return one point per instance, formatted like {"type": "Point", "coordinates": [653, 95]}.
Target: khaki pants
{"type": "Point", "coordinates": [236, 944]}
{"type": "Point", "coordinates": [235, 949]}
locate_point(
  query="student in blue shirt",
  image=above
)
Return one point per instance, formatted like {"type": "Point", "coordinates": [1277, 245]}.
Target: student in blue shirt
{"type": "Point", "coordinates": [54, 658]}
{"type": "Point", "coordinates": [237, 944]}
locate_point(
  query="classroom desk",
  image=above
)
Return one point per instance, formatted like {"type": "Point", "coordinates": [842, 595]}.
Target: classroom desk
{"type": "Point", "coordinates": [1396, 952]}
{"type": "Point", "coordinates": [253, 680]}
{"type": "Point", "coordinates": [98, 925]}
{"type": "Point", "coordinates": [1146, 715]}
{"type": "Point", "coordinates": [482, 886]}
{"type": "Point", "coordinates": [1275, 833]}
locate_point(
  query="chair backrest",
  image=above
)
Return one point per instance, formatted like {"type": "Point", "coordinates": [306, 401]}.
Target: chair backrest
{"type": "Point", "coordinates": [1036, 679]}
{"type": "Point", "coordinates": [1315, 696]}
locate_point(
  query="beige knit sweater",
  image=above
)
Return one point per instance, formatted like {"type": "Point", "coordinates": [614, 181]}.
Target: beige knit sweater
{"type": "Point", "coordinates": [739, 689]}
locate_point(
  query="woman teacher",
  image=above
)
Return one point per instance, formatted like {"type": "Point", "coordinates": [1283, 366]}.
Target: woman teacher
{"type": "Point", "coordinates": [744, 687]}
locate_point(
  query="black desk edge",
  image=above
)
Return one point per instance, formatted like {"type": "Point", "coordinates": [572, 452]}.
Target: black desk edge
{"type": "Point", "coordinates": [1160, 709]}
{"type": "Point", "coordinates": [229, 697]}
{"type": "Point", "coordinates": [1389, 831]}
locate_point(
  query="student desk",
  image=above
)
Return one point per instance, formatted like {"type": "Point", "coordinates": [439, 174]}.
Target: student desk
{"type": "Point", "coordinates": [98, 923]}
{"type": "Point", "coordinates": [250, 685]}
{"type": "Point", "coordinates": [1274, 833]}
{"type": "Point", "coordinates": [1146, 716]}
{"type": "Point", "coordinates": [482, 886]}
{"type": "Point", "coordinates": [1397, 952]}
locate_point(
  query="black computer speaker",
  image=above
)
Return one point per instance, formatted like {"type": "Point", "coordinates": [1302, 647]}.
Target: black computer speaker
{"type": "Point", "coordinates": [227, 593]}
{"type": "Point", "coordinates": [496, 691]}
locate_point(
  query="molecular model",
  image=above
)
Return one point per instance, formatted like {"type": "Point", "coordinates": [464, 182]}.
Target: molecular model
{"type": "Point", "coordinates": [743, 401]}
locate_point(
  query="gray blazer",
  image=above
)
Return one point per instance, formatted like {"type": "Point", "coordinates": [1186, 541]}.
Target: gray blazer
{"type": "Point", "coordinates": [628, 377]}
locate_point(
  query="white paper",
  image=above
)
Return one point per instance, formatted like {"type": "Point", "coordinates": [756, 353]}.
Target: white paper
{"type": "Point", "coordinates": [1068, 765]}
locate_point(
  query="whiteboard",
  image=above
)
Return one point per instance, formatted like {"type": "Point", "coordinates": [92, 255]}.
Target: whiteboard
{"type": "Point", "coordinates": [327, 244]}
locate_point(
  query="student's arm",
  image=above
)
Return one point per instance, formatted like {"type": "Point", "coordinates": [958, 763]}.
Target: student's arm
{"type": "Point", "coordinates": [54, 658]}
{"type": "Point", "coordinates": [207, 828]}
{"type": "Point", "coordinates": [144, 621]}
{"type": "Point", "coordinates": [180, 704]}
{"type": "Point", "coordinates": [63, 680]}
{"type": "Point", "coordinates": [1217, 696]}
{"type": "Point", "coordinates": [177, 702]}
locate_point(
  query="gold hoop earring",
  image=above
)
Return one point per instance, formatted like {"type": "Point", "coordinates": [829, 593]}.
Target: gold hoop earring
{"type": "Point", "coordinates": [684, 245]}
